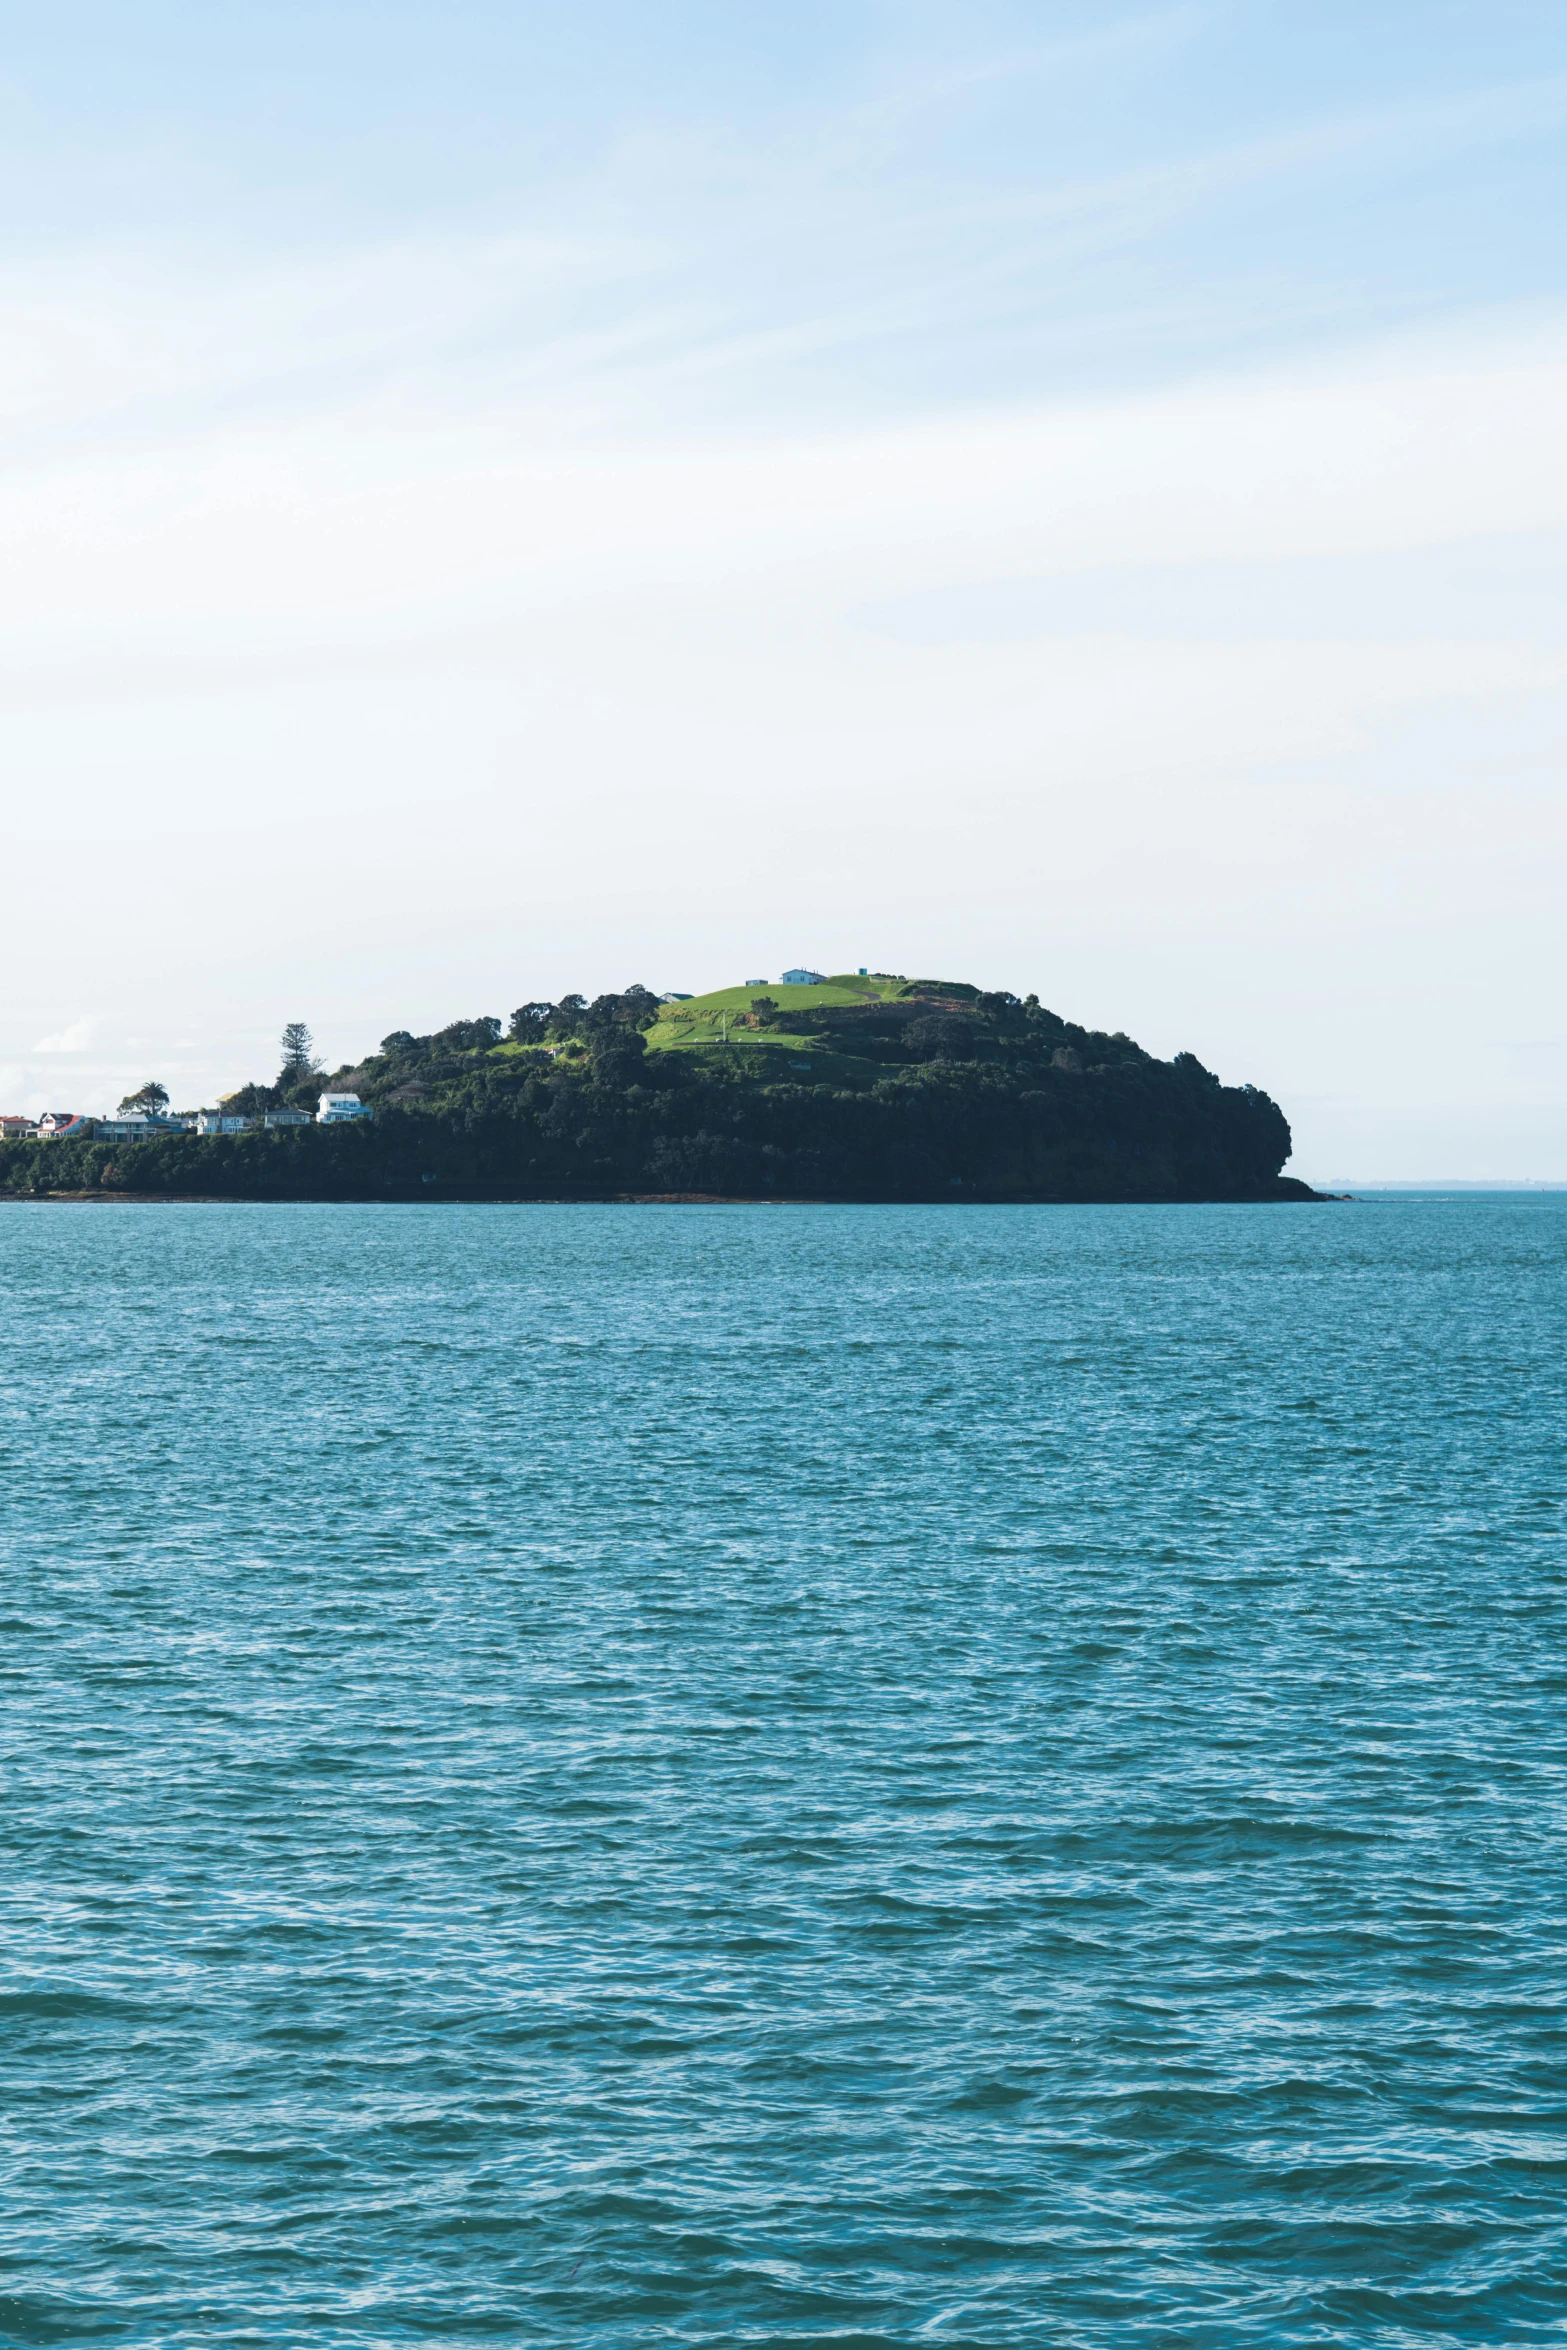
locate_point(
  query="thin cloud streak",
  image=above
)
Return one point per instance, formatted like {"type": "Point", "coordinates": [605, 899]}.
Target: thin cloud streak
{"type": "Point", "coordinates": [129, 342]}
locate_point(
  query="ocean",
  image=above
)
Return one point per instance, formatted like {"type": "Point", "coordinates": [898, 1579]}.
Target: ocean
{"type": "Point", "coordinates": [641, 1776]}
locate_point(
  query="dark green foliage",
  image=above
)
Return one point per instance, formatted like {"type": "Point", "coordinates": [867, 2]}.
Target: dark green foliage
{"type": "Point", "coordinates": [148, 1101]}
{"type": "Point", "coordinates": [619, 1056]}
{"type": "Point", "coordinates": [469, 1036]}
{"type": "Point", "coordinates": [248, 1101]}
{"type": "Point", "coordinates": [945, 1036]}
{"type": "Point", "coordinates": [635, 1007]}
{"type": "Point", "coordinates": [297, 1049]}
{"type": "Point", "coordinates": [943, 1093]}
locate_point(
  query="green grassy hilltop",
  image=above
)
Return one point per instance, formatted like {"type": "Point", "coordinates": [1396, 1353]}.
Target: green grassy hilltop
{"type": "Point", "coordinates": [867, 1086]}
{"type": "Point", "coordinates": [723, 1020]}
{"type": "Point", "coordinates": [853, 989]}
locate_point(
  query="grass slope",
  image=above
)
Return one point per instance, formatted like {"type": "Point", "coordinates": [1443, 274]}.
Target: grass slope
{"type": "Point", "coordinates": [709, 1019]}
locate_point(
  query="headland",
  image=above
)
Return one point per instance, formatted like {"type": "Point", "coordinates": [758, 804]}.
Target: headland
{"type": "Point", "coordinates": [864, 1086]}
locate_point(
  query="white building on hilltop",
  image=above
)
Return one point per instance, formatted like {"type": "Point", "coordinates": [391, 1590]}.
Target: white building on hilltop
{"type": "Point", "coordinates": [337, 1109]}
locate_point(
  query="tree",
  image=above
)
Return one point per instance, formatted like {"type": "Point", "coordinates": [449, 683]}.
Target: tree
{"type": "Point", "coordinates": [529, 1022]}
{"type": "Point", "coordinates": [148, 1101]}
{"type": "Point", "coordinates": [298, 1046]}
{"type": "Point", "coordinates": [635, 1007]}
{"type": "Point", "coordinates": [246, 1101]}
{"type": "Point", "coordinates": [619, 1055]}
{"type": "Point", "coordinates": [943, 1036]}
{"type": "Point", "coordinates": [469, 1036]}
{"type": "Point", "coordinates": [639, 1005]}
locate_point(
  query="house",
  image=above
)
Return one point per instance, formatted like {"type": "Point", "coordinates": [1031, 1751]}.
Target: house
{"type": "Point", "coordinates": [17, 1126]}
{"type": "Point", "coordinates": [221, 1122]}
{"type": "Point", "coordinates": [55, 1125]}
{"type": "Point", "coordinates": [674, 997]}
{"type": "Point", "coordinates": [338, 1108]}
{"type": "Point", "coordinates": [804, 979]}
{"type": "Point", "coordinates": [286, 1118]}
{"type": "Point", "coordinates": [136, 1126]}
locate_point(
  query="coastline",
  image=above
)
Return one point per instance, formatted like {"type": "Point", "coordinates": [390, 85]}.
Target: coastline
{"type": "Point", "coordinates": [1301, 1196]}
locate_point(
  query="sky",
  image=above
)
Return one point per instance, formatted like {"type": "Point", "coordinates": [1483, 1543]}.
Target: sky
{"type": "Point", "coordinates": [503, 499]}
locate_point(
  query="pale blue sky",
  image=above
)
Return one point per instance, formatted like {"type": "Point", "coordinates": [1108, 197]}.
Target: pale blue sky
{"type": "Point", "coordinates": [840, 209]}
{"type": "Point", "coordinates": [591, 432]}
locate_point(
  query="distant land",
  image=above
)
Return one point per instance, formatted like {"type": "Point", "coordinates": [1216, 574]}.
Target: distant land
{"type": "Point", "coordinates": [865, 1086]}
{"type": "Point", "coordinates": [1439, 1185]}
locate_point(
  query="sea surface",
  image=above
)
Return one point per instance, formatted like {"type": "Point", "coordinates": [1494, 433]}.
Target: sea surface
{"type": "Point", "coordinates": [652, 1776]}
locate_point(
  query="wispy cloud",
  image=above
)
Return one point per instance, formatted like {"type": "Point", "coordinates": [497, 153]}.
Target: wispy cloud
{"type": "Point", "coordinates": [78, 1038]}
{"type": "Point", "coordinates": [832, 258]}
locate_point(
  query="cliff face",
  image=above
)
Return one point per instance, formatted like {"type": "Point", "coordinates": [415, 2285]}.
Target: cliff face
{"type": "Point", "coordinates": [927, 1091]}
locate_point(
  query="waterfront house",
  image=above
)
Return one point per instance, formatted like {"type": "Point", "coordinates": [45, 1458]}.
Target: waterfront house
{"type": "Point", "coordinates": [286, 1118]}
{"type": "Point", "coordinates": [56, 1125]}
{"type": "Point", "coordinates": [222, 1122]}
{"type": "Point", "coordinates": [338, 1108]}
{"type": "Point", "coordinates": [135, 1126]}
{"type": "Point", "coordinates": [17, 1127]}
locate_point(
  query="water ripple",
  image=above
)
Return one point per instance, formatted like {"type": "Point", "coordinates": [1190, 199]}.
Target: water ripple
{"type": "Point", "coordinates": [843, 1777]}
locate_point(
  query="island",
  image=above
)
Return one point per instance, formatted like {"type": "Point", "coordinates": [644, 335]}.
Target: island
{"type": "Point", "coordinates": [867, 1086]}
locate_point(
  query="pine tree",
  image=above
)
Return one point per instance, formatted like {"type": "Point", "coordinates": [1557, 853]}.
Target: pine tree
{"type": "Point", "coordinates": [298, 1045]}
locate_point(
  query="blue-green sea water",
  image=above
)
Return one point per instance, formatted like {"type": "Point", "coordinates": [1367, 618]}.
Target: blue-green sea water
{"type": "Point", "coordinates": [723, 1776]}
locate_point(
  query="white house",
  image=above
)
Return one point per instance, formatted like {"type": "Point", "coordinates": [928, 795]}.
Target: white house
{"type": "Point", "coordinates": [338, 1108]}
{"type": "Point", "coordinates": [286, 1118]}
{"type": "Point", "coordinates": [54, 1124]}
{"type": "Point", "coordinates": [804, 979]}
{"type": "Point", "coordinates": [221, 1122]}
